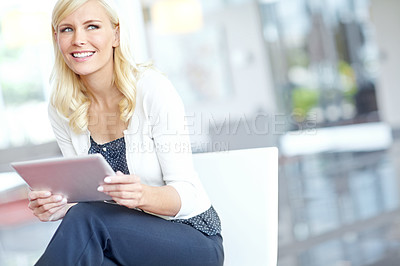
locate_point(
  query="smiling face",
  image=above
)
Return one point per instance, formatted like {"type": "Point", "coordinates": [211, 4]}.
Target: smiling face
{"type": "Point", "coordinates": [86, 39]}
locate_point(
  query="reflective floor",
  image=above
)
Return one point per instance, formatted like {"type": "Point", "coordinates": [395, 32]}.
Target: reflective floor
{"type": "Point", "coordinates": [340, 209]}
{"type": "Point", "coordinates": [23, 244]}
{"type": "Point", "coordinates": [335, 209]}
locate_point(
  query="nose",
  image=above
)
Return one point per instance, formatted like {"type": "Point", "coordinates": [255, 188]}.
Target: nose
{"type": "Point", "coordinates": [79, 38]}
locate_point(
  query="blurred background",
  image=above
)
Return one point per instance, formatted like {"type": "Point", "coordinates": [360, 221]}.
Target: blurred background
{"type": "Point", "coordinates": [316, 78]}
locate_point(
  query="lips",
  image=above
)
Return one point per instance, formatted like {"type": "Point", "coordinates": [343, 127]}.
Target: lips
{"type": "Point", "coordinates": [82, 54]}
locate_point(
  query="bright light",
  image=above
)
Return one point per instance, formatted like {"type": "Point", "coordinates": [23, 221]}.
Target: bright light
{"type": "Point", "coordinates": [177, 16]}
{"type": "Point", "coordinates": [10, 180]}
{"type": "Point", "coordinates": [20, 28]}
{"type": "Point", "coordinates": [268, 1]}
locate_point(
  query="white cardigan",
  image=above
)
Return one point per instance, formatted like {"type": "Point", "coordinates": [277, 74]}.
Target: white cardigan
{"type": "Point", "coordinates": [157, 143]}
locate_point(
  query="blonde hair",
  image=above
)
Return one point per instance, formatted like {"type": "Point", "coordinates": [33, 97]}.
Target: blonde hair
{"type": "Point", "coordinates": [69, 95]}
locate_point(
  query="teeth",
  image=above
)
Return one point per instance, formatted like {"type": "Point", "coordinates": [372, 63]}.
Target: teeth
{"type": "Point", "coordinates": [81, 55]}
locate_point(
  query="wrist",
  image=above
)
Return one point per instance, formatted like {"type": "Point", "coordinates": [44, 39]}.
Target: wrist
{"type": "Point", "coordinates": [144, 199]}
{"type": "Point", "coordinates": [162, 200]}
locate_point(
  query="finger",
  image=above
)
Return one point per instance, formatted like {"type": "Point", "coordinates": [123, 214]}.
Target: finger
{"type": "Point", "coordinates": [49, 215]}
{"type": "Point", "coordinates": [49, 207]}
{"type": "Point", "coordinates": [54, 210]}
{"type": "Point", "coordinates": [123, 194]}
{"type": "Point", "coordinates": [32, 195]}
{"type": "Point", "coordinates": [39, 207]}
{"type": "Point", "coordinates": [128, 203]}
{"type": "Point", "coordinates": [42, 201]}
{"type": "Point", "coordinates": [121, 179]}
{"type": "Point", "coordinates": [117, 187]}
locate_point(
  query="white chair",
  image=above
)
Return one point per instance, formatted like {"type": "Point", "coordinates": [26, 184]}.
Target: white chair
{"type": "Point", "coordinates": [243, 187]}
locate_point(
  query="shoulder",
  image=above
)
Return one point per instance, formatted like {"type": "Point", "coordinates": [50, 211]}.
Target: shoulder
{"type": "Point", "coordinates": [153, 85]}
{"type": "Point", "coordinates": [151, 80]}
{"type": "Point", "coordinates": [54, 114]}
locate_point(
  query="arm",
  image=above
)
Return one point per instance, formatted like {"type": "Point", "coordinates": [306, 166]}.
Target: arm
{"type": "Point", "coordinates": [61, 132]}
{"type": "Point", "coordinates": [127, 190]}
{"type": "Point", "coordinates": [166, 116]}
{"type": "Point", "coordinates": [45, 205]}
{"type": "Point", "coordinates": [163, 200]}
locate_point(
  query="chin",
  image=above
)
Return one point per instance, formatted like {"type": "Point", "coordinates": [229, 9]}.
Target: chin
{"type": "Point", "coordinates": [82, 72]}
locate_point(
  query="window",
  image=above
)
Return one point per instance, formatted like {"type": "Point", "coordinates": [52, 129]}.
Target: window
{"type": "Point", "coordinates": [323, 59]}
{"type": "Point", "coordinates": [25, 64]}
{"type": "Point", "coordinates": [190, 47]}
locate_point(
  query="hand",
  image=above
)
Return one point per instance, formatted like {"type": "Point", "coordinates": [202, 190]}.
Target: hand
{"type": "Point", "coordinates": [47, 207]}
{"type": "Point", "coordinates": [125, 190]}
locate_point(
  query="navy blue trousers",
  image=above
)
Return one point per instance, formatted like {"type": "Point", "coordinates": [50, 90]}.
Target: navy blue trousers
{"type": "Point", "coordinates": [99, 233]}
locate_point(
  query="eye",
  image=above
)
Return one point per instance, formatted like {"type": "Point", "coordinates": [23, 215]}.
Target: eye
{"type": "Point", "coordinates": [93, 27]}
{"type": "Point", "coordinates": [66, 29]}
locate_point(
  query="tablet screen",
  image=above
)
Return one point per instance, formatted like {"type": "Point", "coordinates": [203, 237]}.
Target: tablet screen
{"type": "Point", "coordinates": [77, 178]}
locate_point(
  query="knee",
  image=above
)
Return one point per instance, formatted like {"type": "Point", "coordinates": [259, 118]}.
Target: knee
{"type": "Point", "coordinates": [84, 217]}
{"type": "Point", "coordinates": [82, 212]}
{"type": "Point", "coordinates": [79, 209]}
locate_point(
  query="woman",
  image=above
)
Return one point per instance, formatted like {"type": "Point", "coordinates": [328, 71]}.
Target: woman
{"type": "Point", "coordinates": [103, 102]}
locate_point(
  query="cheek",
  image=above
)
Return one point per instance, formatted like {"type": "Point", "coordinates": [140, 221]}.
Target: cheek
{"type": "Point", "coordinates": [102, 42]}
{"type": "Point", "coordinates": [62, 45]}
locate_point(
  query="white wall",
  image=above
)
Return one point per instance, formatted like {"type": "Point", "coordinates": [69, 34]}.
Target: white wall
{"type": "Point", "coordinates": [249, 64]}
{"type": "Point", "coordinates": [385, 16]}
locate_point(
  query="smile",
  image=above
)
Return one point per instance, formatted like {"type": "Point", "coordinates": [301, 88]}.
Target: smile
{"type": "Point", "coordinates": [82, 55]}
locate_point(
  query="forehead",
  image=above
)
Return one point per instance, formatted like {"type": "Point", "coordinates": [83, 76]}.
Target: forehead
{"type": "Point", "coordinates": [91, 10]}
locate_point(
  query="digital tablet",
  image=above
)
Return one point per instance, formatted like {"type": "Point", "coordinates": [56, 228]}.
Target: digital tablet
{"type": "Point", "coordinates": [77, 178]}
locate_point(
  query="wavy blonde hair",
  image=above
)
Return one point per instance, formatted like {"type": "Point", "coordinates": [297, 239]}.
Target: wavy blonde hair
{"type": "Point", "coordinates": [69, 95]}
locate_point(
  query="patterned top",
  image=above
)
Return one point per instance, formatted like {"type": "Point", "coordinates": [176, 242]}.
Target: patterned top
{"type": "Point", "coordinates": [114, 152]}
{"type": "Point", "coordinates": [207, 222]}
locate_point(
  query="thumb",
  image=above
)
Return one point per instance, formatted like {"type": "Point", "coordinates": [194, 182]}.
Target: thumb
{"type": "Point", "coordinates": [119, 173]}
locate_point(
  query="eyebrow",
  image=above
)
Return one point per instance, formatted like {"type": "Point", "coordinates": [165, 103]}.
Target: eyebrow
{"type": "Point", "coordinates": [85, 23]}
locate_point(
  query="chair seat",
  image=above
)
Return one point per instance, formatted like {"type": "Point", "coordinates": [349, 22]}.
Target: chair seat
{"type": "Point", "coordinates": [243, 188]}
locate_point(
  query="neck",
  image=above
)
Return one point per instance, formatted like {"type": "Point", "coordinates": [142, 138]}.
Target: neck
{"type": "Point", "coordinates": [101, 89]}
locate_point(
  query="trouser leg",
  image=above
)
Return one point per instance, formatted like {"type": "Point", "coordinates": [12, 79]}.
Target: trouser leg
{"type": "Point", "coordinates": [81, 239]}
{"type": "Point", "coordinates": [91, 231]}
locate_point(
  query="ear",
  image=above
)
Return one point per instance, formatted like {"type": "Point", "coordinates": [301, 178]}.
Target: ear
{"type": "Point", "coordinates": [116, 37]}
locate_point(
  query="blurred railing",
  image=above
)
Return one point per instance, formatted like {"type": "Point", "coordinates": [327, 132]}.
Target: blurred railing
{"type": "Point", "coordinates": [345, 204]}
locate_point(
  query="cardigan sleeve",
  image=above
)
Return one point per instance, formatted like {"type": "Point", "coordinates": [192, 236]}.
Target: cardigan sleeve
{"type": "Point", "coordinates": [165, 113]}
{"type": "Point", "coordinates": [61, 132]}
